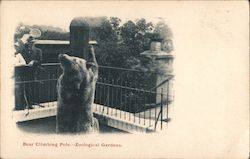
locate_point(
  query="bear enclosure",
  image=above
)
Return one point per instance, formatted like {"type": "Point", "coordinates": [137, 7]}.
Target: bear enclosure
{"type": "Point", "coordinates": [140, 99]}
{"type": "Point", "coordinates": [125, 94]}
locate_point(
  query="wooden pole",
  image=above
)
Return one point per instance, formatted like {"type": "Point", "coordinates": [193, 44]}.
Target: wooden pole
{"type": "Point", "coordinates": [79, 38]}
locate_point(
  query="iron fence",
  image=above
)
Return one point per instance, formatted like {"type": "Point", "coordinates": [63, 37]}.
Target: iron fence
{"type": "Point", "coordinates": [123, 93]}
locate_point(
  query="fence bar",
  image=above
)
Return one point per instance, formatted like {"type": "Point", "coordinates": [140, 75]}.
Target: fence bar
{"type": "Point", "coordinates": [109, 75]}
{"type": "Point", "coordinates": [28, 94]}
{"type": "Point", "coordinates": [121, 101]}
{"type": "Point", "coordinates": [108, 104]}
{"type": "Point", "coordinates": [130, 103]}
{"type": "Point", "coordinates": [100, 90]}
{"type": "Point", "coordinates": [112, 96]}
{"type": "Point", "coordinates": [38, 90]}
{"type": "Point", "coordinates": [150, 109]}
{"type": "Point", "coordinates": [155, 109]}
{"type": "Point", "coordinates": [98, 97]}
{"type": "Point", "coordinates": [145, 99]}
{"type": "Point", "coordinates": [95, 98]}
{"type": "Point", "coordinates": [116, 97]}
{"type": "Point", "coordinates": [54, 88]}
{"type": "Point", "coordinates": [135, 106]}
{"type": "Point", "coordinates": [104, 96]}
{"type": "Point", "coordinates": [48, 84]}
{"type": "Point", "coordinates": [139, 107]}
{"type": "Point", "coordinates": [44, 88]}
{"type": "Point", "coordinates": [161, 106]}
{"type": "Point", "coordinates": [167, 101]}
{"type": "Point", "coordinates": [125, 101]}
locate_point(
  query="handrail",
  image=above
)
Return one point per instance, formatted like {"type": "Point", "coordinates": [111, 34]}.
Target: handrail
{"type": "Point", "coordinates": [163, 82]}
{"type": "Point", "coordinates": [130, 88]}
{"type": "Point", "coordinates": [101, 66]}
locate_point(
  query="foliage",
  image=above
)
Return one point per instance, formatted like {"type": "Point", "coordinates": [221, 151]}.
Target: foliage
{"type": "Point", "coordinates": [119, 45]}
{"type": "Point", "coordinates": [48, 32]}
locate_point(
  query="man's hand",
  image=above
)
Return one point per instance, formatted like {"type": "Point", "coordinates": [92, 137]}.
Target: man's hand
{"type": "Point", "coordinates": [33, 63]}
{"type": "Point", "coordinates": [25, 38]}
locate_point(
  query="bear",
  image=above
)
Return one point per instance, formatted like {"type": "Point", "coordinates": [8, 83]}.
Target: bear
{"type": "Point", "coordinates": [76, 89]}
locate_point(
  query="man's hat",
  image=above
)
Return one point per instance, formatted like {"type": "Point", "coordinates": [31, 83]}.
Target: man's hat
{"type": "Point", "coordinates": [35, 33]}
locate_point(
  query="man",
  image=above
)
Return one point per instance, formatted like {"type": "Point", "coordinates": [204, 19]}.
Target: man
{"type": "Point", "coordinates": [31, 54]}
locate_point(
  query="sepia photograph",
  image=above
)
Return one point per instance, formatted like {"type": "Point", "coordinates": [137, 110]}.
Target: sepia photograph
{"type": "Point", "coordinates": [103, 69]}
{"type": "Point", "coordinates": [124, 79]}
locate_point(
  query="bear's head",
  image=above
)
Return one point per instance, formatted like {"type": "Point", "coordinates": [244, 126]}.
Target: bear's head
{"type": "Point", "coordinates": [75, 71]}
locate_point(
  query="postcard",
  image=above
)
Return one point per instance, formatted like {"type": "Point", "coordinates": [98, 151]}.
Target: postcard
{"type": "Point", "coordinates": [124, 79]}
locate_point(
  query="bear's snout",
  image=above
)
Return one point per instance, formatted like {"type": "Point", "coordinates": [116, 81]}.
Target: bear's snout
{"type": "Point", "coordinates": [64, 59]}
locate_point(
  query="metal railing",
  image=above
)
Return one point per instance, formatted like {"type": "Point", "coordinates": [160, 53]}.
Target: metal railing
{"type": "Point", "coordinates": [123, 93]}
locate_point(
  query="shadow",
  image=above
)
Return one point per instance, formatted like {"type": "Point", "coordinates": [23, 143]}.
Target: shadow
{"type": "Point", "coordinates": [48, 126]}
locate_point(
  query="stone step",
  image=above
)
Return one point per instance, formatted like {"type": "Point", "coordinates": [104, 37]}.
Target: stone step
{"type": "Point", "coordinates": [112, 117]}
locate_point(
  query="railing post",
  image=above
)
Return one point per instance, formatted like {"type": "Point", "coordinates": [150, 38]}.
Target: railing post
{"type": "Point", "coordinates": [79, 37]}
{"type": "Point", "coordinates": [144, 104]}
{"type": "Point", "coordinates": [108, 103]}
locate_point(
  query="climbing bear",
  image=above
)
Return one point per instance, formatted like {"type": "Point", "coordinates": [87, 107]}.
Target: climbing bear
{"type": "Point", "coordinates": [76, 88]}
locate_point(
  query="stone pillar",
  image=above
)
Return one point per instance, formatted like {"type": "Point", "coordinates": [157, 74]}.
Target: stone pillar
{"type": "Point", "coordinates": [161, 63]}
{"type": "Point", "coordinates": [79, 38]}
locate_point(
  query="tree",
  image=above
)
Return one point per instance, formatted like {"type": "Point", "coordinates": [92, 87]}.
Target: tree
{"type": "Point", "coordinates": [128, 32]}
{"type": "Point", "coordinates": [143, 27]}
{"type": "Point", "coordinates": [115, 23]}
{"type": "Point", "coordinates": [105, 33]}
{"type": "Point", "coordinates": [118, 45]}
{"type": "Point", "coordinates": [136, 38]}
